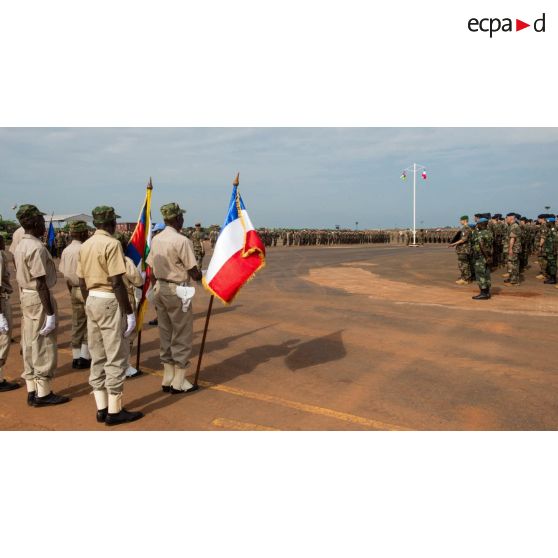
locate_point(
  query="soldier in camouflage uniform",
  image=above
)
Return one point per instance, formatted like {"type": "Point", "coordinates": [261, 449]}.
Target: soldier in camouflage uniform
{"type": "Point", "coordinates": [549, 246]}
{"type": "Point", "coordinates": [514, 249]}
{"type": "Point", "coordinates": [197, 241]}
{"type": "Point", "coordinates": [538, 246]}
{"type": "Point", "coordinates": [463, 250]}
{"type": "Point", "coordinates": [482, 246]}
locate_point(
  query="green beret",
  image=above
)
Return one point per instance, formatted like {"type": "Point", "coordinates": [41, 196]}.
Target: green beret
{"type": "Point", "coordinates": [27, 212]}
{"type": "Point", "coordinates": [104, 214]}
{"type": "Point", "coordinates": [170, 210]}
{"type": "Point", "coordinates": [464, 218]}
{"type": "Point", "coordinates": [78, 227]}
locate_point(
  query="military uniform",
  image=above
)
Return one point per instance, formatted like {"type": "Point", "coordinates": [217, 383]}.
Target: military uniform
{"type": "Point", "coordinates": [481, 243]}
{"type": "Point", "coordinates": [197, 241]}
{"type": "Point", "coordinates": [16, 237]}
{"type": "Point", "coordinates": [38, 331]}
{"type": "Point", "coordinates": [550, 246]}
{"type": "Point", "coordinates": [101, 257]}
{"type": "Point", "coordinates": [68, 267]}
{"type": "Point", "coordinates": [513, 263]}
{"type": "Point", "coordinates": [463, 251]}
{"type": "Point", "coordinates": [171, 257]}
{"type": "Point", "coordinates": [5, 320]}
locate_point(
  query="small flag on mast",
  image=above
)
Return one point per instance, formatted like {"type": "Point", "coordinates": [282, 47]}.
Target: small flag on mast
{"type": "Point", "coordinates": [423, 175]}
{"type": "Point", "coordinates": [403, 176]}
{"type": "Point", "coordinates": [51, 238]}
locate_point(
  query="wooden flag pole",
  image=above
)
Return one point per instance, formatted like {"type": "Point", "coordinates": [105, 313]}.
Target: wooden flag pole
{"type": "Point", "coordinates": [202, 347]}
{"type": "Point", "coordinates": [138, 352]}
{"type": "Point", "coordinates": [211, 299]}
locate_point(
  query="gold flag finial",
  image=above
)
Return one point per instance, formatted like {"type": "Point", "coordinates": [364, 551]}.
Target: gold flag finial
{"type": "Point", "coordinates": [237, 179]}
{"type": "Point", "coordinates": [150, 185]}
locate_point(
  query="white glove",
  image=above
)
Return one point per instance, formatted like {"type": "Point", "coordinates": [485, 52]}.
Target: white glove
{"type": "Point", "coordinates": [50, 324]}
{"type": "Point", "coordinates": [131, 319]}
{"type": "Point", "coordinates": [185, 294]}
{"type": "Point", "coordinates": [4, 328]}
{"type": "Point", "coordinates": [143, 275]}
{"type": "Point", "coordinates": [138, 293]}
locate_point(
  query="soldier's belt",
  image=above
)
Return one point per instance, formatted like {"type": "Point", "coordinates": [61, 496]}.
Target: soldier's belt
{"type": "Point", "coordinates": [101, 294]}
{"type": "Point", "coordinates": [28, 291]}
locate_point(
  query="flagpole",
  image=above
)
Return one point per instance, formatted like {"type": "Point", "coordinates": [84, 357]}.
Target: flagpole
{"type": "Point", "coordinates": [236, 182]}
{"type": "Point", "coordinates": [414, 168]}
{"type": "Point", "coordinates": [414, 203]}
{"type": "Point", "coordinates": [138, 353]}
{"type": "Point", "coordinates": [202, 347]}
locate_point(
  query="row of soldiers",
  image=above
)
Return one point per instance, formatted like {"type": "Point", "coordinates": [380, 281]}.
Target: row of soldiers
{"type": "Point", "coordinates": [494, 241]}
{"type": "Point", "coordinates": [317, 237]}
{"type": "Point", "coordinates": [103, 286]}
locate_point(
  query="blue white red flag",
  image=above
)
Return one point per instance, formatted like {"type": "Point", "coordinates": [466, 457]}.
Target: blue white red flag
{"type": "Point", "coordinates": [239, 252]}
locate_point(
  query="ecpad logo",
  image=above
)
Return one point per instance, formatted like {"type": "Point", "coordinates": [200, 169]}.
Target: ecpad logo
{"type": "Point", "coordinates": [493, 25]}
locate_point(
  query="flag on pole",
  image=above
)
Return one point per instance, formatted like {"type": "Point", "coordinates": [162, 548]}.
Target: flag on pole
{"type": "Point", "coordinates": [423, 175]}
{"type": "Point", "coordinates": [403, 176]}
{"type": "Point", "coordinates": [239, 252]}
{"type": "Point", "coordinates": [51, 237]}
{"type": "Point", "coordinates": [138, 250]}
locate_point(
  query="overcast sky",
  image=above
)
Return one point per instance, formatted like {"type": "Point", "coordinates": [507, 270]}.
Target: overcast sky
{"type": "Point", "coordinates": [290, 177]}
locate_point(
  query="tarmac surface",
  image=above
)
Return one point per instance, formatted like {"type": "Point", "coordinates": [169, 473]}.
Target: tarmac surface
{"type": "Point", "coordinates": [338, 338]}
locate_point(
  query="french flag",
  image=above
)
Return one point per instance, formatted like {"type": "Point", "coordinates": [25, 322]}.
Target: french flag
{"type": "Point", "coordinates": [239, 252]}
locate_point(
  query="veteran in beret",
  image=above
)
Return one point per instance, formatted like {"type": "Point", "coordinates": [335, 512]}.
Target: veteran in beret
{"type": "Point", "coordinates": [110, 318]}
{"type": "Point", "coordinates": [36, 276]}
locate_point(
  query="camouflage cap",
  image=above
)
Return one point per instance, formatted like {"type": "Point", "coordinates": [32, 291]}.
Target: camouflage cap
{"type": "Point", "coordinates": [27, 211]}
{"type": "Point", "coordinates": [170, 210]}
{"type": "Point", "coordinates": [103, 214]}
{"type": "Point", "coordinates": [78, 227]}
{"type": "Point", "coordinates": [464, 218]}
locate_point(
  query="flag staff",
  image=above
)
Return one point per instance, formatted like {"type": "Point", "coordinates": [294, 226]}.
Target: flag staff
{"type": "Point", "coordinates": [140, 326]}
{"type": "Point", "coordinates": [414, 168]}
{"type": "Point", "coordinates": [236, 182]}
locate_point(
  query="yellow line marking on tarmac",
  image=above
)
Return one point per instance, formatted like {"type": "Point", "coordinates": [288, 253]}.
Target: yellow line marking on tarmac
{"type": "Point", "coordinates": [237, 425]}
{"type": "Point", "coordinates": [313, 409]}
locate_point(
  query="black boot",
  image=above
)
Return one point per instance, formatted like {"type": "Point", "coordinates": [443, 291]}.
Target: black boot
{"type": "Point", "coordinates": [83, 363]}
{"type": "Point", "coordinates": [551, 280]}
{"type": "Point", "coordinates": [8, 386]}
{"type": "Point", "coordinates": [31, 398]}
{"type": "Point", "coordinates": [483, 295]}
{"type": "Point", "coordinates": [50, 399]}
{"type": "Point", "coordinates": [122, 416]}
{"type": "Point", "coordinates": [102, 414]}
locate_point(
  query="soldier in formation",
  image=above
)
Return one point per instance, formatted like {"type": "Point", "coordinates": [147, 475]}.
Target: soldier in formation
{"type": "Point", "coordinates": [463, 249]}
{"type": "Point", "coordinates": [197, 240]}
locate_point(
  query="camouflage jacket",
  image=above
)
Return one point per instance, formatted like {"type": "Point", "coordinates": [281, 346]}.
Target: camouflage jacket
{"type": "Point", "coordinates": [197, 242]}
{"type": "Point", "coordinates": [514, 231]}
{"type": "Point", "coordinates": [550, 240]}
{"type": "Point", "coordinates": [481, 243]}
{"type": "Point", "coordinates": [464, 248]}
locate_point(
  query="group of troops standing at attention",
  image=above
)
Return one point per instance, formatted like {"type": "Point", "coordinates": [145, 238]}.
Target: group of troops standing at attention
{"type": "Point", "coordinates": [103, 285]}
{"type": "Point", "coordinates": [494, 241]}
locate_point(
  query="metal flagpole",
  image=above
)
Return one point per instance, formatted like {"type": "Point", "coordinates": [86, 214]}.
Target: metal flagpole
{"type": "Point", "coordinates": [414, 168]}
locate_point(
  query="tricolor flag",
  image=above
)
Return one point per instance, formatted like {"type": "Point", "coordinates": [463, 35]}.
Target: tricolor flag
{"type": "Point", "coordinates": [403, 176]}
{"type": "Point", "coordinates": [138, 250]}
{"type": "Point", "coordinates": [423, 175]}
{"type": "Point", "coordinates": [239, 252]}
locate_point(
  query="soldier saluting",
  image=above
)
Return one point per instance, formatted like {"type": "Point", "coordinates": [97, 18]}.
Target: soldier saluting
{"type": "Point", "coordinates": [173, 262]}
{"type": "Point", "coordinates": [110, 320]}
{"type": "Point", "coordinates": [36, 275]}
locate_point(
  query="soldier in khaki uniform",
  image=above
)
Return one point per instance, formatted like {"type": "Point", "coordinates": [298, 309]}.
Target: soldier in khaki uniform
{"type": "Point", "coordinates": [173, 263]}
{"type": "Point", "coordinates": [133, 281]}
{"type": "Point", "coordinates": [110, 320]}
{"type": "Point", "coordinates": [36, 275]}
{"type": "Point", "coordinates": [463, 250]}
{"type": "Point", "coordinates": [5, 317]}
{"type": "Point", "coordinates": [81, 359]}
{"type": "Point", "coordinates": [16, 237]}
{"type": "Point", "coordinates": [197, 240]}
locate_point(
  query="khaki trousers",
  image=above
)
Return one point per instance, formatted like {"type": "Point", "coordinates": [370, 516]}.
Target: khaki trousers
{"type": "Point", "coordinates": [79, 319]}
{"type": "Point", "coordinates": [109, 350]}
{"type": "Point", "coordinates": [176, 328]}
{"type": "Point", "coordinates": [5, 338]}
{"type": "Point", "coordinates": [40, 354]}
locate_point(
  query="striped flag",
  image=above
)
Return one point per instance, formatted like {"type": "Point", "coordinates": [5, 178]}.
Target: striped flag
{"type": "Point", "coordinates": [239, 252]}
{"type": "Point", "coordinates": [138, 250]}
